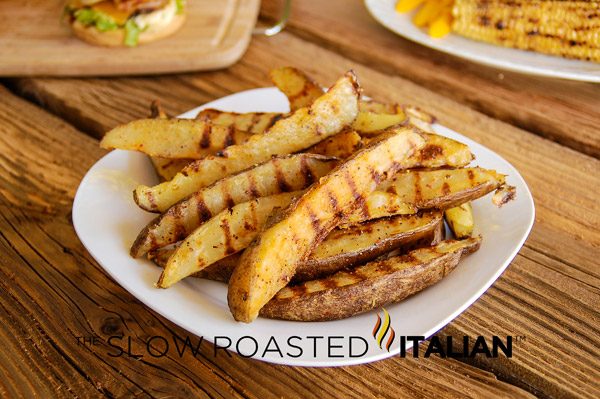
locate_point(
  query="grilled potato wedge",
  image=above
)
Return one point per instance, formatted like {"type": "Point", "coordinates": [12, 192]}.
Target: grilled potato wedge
{"type": "Point", "coordinates": [339, 250]}
{"type": "Point", "coordinates": [250, 122]}
{"type": "Point", "coordinates": [173, 138]}
{"type": "Point", "coordinates": [373, 116]}
{"type": "Point", "coordinates": [370, 286]}
{"type": "Point", "coordinates": [218, 271]}
{"type": "Point", "coordinates": [428, 189]}
{"type": "Point", "coordinates": [367, 241]}
{"type": "Point", "coordinates": [440, 151]}
{"type": "Point", "coordinates": [227, 233]}
{"type": "Point", "coordinates": [327, 116]}
{"type": "Point", "coordinates": [460, 220]}
{"type": "Point", "coordinates": [167, 168]}
{"type": "Point", "coordinates": [410, 111]}
{"type": "Point", "coordinates": [271, 261]}
{"type": "Point", "coordinates": [300, 90]}
{"type": "Point", "coordinates": [368, 122]}
{"type": "Point", "coordinates": [277, 175]}
{"type": "Point", "coordinates": [341, 146]}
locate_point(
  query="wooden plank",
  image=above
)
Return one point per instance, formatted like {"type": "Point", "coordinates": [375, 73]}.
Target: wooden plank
{"type": "Point", "coordinates": [564, 240]}
{"type": "Point", "coordinates": [34, 42]}
{"type": "Point", "coordinates": [51, 292]}
{"type": "Point", "coordinates": [564, 111]}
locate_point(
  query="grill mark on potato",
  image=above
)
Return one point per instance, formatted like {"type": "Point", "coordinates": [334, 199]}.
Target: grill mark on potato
{"type": "Point", "coordinates": [471, 176]}
{"type": "Point", "coordinates": [445, 188]}
{"type": "Point", "coordinates": [358, 197]}
{"type": "Point", "coordinates": [417, 186]}
{"type": "Point", "coordinates": [227, 196]}
{"type": "Point", "coordinates": [229, 139]}
{"type": "Point", "coordinates": [328, 284]}
{"type": "Point", "coordinates": [374, 175]}
{"type": "Point", "coordinates": [334, 204]}
{"type": "Point", "coordinates": [274, 120]}
{"type": "Point", "coordinates": [283, 185]}
{"type": "Point", "coordinates": [299, 290]}
{"type": "Point", "coordinates": [204, 213]}
{"type": "Point", "coordinates": [307, 173]}
{"type": "Point", "coordinates": [228, 241]}
{"type": "Point", "coordinates": [314, 220]}
{"type": "Point", "coordinates": [206, 133]}
{"type": "Point", "coordinates": [180, 231]}
{"type": "Point", "coordinates": [194, 166]}
{"type": "Point", "coordinates": [252, 188]}
{"type": "Point", "coordinates": [255, 119]}
{"type": "Point", "coordinates": [253, 216]}
{"type": "Point", "coordinates": [431, 151]}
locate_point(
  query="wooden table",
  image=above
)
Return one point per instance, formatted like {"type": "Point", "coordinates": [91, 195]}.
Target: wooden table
{"type": "Point", "coordinates": [52, 291]}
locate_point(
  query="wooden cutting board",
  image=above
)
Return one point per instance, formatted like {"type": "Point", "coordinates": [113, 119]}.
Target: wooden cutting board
{"type": "Point", "coordinates": [34, 41]}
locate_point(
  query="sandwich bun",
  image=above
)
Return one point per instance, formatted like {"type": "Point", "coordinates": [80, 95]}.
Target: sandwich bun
{"type": "Point", "coordinates": [153, 25]}
{"type": "Point", "coordinates": [116, 38]}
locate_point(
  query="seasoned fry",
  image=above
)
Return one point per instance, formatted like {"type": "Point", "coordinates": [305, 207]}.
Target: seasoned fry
{"type": "Point", "coordinates": [300, 90]}
{"type": "Point", "coordinates": [279, 174]}
{"type": "Point", "coordinates": [250, 122]}
{"type": "Point", "coordinates": [327, 116]}
{"type": "Point", "coordinates": [167, 168]}
{"type": "Point", "coordinates": [173, 138]}
{"type": "Point", "coordinates": [271, 261]}
{"type": "Point", "coordinates": [227, 233]}
{"type": "Point", "coordinates": [369, 122]}
{"type": "Point", "coordinates": [377, 107]}
{"type": "Point", "coordinates": [373, 116]}
{"type": "Point", "coordinates": [434, 189]}
{"type": "Point", "coordinates": [460, 220]}
{"type": "Point", "coordinates": [342, 145]}
{"type": "Point", "coordinates": [368, 287]}
{"type": "Point", "coordinates": [339, 250]}
{"type": "Point", "coordinates": [366, 241]}
{"type": "Point", "coordinates": [219, 271]}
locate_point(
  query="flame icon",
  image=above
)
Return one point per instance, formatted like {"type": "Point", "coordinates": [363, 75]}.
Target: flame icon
{"type": "Point", "coordinates": [382, 328]}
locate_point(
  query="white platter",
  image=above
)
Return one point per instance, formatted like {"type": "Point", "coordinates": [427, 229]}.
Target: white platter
{"type": "Point", "coordinates": [107, 221]}
{"type": "Point", "coordinates": [500, 57]}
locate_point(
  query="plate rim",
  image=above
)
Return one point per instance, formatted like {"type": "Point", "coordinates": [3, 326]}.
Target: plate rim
{"type": "Point", "coordinates": [314, 362]}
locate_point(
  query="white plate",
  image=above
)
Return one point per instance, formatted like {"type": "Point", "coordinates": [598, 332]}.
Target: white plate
{"type": "Point", "coordinates": [107, 221]}
{"type": "Point", "coordinates": [501, 57]}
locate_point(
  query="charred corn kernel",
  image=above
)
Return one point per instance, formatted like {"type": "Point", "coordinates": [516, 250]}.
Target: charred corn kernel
{"type": "Point", "coordinates": [566, 28]}
{"type": "Point", "coordinates": [427, 13]}
{"type": "Point", "coordinates": [407, 5]}
{"type": "Point", "coordinates": [441, 26]}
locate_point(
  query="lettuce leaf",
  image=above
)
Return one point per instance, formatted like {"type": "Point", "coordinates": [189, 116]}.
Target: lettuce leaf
{"type": "Point", "coordinates": [132, 33]}
{"type": "Point", "coordinates": [180, 4]}
{"type": "Point", "coordinates": [101, 21]}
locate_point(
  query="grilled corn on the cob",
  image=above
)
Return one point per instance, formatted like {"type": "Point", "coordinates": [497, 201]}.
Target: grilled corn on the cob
{"type": "Point", "coordinates": [567, 28]}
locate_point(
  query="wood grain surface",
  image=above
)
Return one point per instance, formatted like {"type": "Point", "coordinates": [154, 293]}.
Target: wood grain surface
{"type": "Point", "coordinates": [52, 291]}
{"type": "Point", "coordinates": [33, 42]}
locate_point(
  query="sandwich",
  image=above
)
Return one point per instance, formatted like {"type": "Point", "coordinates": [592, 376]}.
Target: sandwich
{"type": "Point", "coordinates": [124, 22]}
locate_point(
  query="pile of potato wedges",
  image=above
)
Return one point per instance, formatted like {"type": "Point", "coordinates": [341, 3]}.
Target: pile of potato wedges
{"type": "Point", "coordinates": [333, 209]}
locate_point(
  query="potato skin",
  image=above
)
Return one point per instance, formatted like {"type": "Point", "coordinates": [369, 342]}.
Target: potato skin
{"type": "Point", "coordinates": [429, 234]}
{"type": "Point", "coordinates": [369, 293]}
